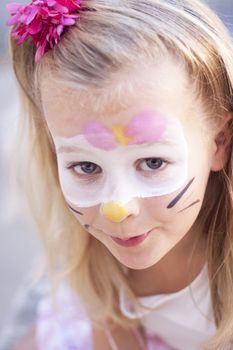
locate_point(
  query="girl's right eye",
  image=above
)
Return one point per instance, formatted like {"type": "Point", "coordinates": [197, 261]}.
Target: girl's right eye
{"type": "Point", "coordinates": [85, 168]}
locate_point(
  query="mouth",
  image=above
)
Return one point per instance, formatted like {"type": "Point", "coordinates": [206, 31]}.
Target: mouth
{"type": "Point", "coordinates": [131, 242]}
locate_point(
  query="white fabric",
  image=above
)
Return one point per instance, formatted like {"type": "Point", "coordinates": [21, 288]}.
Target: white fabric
{"type": "Point", "coordinates": [183, 319]}
{"type": "Point", "coordinates": [65, 325]}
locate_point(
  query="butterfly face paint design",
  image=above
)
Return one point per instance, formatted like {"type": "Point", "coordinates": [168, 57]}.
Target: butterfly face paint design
{"type": "Point", "coordinates": [146, 127]}
{"type": "Point", "coordinates": [146, 158]}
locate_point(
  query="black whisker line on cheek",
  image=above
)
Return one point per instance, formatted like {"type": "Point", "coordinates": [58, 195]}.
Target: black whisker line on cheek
{"type": "Point", "coordinates": [197, 201]}
{"type": "Point", "coordinates": [180, 195]}
{"type": "Point", "coordinates": [76, 211]}
{"type": "Point", "coordinates": [86, 227]}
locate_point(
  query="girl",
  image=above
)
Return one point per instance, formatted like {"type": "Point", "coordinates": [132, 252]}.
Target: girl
{"type": "Point", "coordinates": [127, 120]}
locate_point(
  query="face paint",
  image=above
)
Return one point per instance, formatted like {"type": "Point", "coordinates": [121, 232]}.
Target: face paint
{"type": "Point", "coordinates": [190, 205]}
{"type": "Point", "coordinates": [115, 212]}
{"type": "Point", "coordinates": [76, 211]}
{"type": "Point", "coordinates": [146, 127]}
{"type": "Point", "coordinates": [180, 195]}
{"type": "Point", "coordinates": [153, 163]}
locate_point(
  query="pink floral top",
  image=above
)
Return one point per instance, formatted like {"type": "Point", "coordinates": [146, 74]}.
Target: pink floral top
{"type": "Point", "coordinates": [65, 326]}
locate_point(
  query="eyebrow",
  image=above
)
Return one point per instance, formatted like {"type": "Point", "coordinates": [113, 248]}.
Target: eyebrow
{"type": "Point", "coordinates": [68, 149]}
{"type": "Point", "coordinates": [72, 149]}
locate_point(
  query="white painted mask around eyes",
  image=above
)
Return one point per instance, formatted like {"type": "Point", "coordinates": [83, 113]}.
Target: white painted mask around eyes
{"type": "Point", "coordinates": [146, 158]}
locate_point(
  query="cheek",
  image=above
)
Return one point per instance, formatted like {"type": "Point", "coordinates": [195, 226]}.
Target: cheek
{"type": "Point", "coordinates": [178, 206]}
{"type": "Point", "coordinates": [156, 208]}
{"type": "Point", "coordinates": [85, 216]}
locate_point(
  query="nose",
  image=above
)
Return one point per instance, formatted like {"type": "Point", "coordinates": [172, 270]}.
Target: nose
{"type": "Point", "coordinates": [117, 212]}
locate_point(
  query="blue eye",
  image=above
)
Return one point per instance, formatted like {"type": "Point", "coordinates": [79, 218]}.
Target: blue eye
{"type": "Point", "coordinates": [151, 164]}
{"type": "Point", "coordinates": [85, 168]}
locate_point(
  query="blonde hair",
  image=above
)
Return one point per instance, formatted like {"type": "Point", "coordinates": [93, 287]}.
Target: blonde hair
{"type": "Point", "coordinates": [112, 36]}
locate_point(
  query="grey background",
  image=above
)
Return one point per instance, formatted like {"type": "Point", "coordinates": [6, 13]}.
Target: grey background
{"type": "Point", "coordinates": [19, 245]}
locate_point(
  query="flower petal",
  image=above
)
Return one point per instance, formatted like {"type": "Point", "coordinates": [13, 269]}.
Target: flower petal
{"type": "Point", "coordinates": [32, 12]}
{"type": "Point", "coordinates": [35, 27]}
{"type": "Point", "coordinates": [60, 8]}
{"type": "Point", "coordinates": [13, 20]}
{"type": "Point", "coordinates": [60, 29]}
{"type": "Point", "coordinates": [51, 2]}
{"type": "Point", "coordinates": [14, 7]}
{"type": "Point", "coordinates": [43, 20]}
{"type": "Point", "coordinates": [22, 38]}
{"type": "Point", "coordinates": [67, 21]}
{"type": "Point", "coordinates": [40, 52]}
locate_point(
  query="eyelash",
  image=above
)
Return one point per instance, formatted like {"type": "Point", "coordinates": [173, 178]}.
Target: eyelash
{"type": "Point", "coordinates": [71, 166]}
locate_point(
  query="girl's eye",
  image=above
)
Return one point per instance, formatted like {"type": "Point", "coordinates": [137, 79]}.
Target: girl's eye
{"type": "Point", "coordinates": [150, 164]}
{"type": "Point", "coordinates": [85, 168]}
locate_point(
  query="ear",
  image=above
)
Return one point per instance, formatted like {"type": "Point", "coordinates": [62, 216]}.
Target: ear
{"type": "Point", "coordinates": [222, 141]}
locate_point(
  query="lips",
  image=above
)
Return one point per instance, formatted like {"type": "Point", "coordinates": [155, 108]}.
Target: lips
{"type": "Point", "coordinates": [130, 242]}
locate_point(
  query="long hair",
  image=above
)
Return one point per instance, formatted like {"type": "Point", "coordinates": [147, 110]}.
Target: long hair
{"type": "Point", "coordinates": [109, 39]}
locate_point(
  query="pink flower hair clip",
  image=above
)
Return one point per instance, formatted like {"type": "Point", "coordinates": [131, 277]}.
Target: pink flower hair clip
{"type": "Point", "coordinates": [43, 21]}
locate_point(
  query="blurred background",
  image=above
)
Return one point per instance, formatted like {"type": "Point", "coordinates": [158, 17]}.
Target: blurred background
{"type": "Point", "coordinates": [19, 245]}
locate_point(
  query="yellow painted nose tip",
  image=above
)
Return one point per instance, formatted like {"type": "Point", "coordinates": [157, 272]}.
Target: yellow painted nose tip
{"type": "Point", "coordinates": [114, 211]}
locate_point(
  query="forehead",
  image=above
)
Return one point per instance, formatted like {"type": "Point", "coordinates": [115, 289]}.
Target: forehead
{"type": "Point", "coordinates": [163, 88]}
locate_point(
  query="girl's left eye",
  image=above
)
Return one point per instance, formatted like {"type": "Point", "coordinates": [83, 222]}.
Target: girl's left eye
{"type": "Point", "coordinates": [150, 164]}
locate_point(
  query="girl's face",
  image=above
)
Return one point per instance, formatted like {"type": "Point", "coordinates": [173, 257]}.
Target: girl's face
{"type": "Point", "coordinates": [134, 174]}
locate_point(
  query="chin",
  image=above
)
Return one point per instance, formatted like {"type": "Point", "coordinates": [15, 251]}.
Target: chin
{"type": "Point", "coordinates": [137, 263]}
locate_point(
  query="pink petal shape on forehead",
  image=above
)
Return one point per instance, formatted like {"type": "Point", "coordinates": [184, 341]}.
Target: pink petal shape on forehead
{"type": "Point", "coordinates": [146, 127]}
{"type": "Point", "coordinates": [99, 136]}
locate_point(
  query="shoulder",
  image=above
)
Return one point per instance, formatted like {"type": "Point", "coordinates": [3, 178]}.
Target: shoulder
{"type": "Point", "coordinates": [63, 324]}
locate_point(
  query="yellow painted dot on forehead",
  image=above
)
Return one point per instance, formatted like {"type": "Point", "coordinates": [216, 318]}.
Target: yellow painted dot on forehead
{"type": "Point", "coordinates": [120, 135]}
